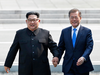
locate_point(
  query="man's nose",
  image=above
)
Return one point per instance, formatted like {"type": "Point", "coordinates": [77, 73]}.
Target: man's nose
{"type": "Point", "coordinates": [32, 21]}
{"type": "Point", "coordinates": [74, 18]}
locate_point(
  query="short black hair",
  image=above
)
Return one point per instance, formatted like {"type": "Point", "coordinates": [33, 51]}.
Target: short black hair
{"type": "Point", "coordinates": [32, 13]}
{"type": "Point", "coordinates": [73, 11]}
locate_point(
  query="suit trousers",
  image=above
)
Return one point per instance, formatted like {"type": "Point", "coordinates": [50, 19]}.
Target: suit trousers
{"type": "Point", "coordinates": [73, 70]}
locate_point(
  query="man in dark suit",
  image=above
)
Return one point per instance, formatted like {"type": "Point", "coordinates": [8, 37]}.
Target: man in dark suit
{"type": "Point", "coordinates": [77, 43]}
{"type": "Point", "coordinates": [32, 43]}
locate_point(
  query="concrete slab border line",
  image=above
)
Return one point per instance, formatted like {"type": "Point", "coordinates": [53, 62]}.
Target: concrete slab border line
{"type": "Point", "coordinates": [53, 69]}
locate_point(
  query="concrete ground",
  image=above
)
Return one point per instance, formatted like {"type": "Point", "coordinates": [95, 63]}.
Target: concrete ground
{"type": "Point", "coordinates": [53, 73]}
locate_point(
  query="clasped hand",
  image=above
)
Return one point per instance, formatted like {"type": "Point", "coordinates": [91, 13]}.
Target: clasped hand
{"type": "Point", "coordinates": [55, 61]}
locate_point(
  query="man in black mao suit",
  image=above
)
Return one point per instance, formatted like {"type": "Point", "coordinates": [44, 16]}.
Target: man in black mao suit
{"type": "Point", "coordinates": [32, 43]}
{"type": "Point", "coordinates": [77, 43]}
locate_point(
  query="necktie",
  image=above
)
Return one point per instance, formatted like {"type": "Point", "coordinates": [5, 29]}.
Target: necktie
{"type": "Point", "coordinates": [74, 37]}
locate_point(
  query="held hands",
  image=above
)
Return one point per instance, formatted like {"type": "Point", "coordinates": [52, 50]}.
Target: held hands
{"type": "Point", "coordinates": [80, 61]}
{"type": "Point", "coordinates": [55, 61]}
{"type": "Point", "coordinates": [7, 69]}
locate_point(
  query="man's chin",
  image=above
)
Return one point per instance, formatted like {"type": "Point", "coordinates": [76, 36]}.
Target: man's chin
{"type": "Point", "coordinates": [74, 25]}
{"type": "Point", "coordinates": [33, 28]}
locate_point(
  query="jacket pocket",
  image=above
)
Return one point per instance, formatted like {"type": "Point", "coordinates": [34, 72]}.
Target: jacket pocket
{"type": "Point", "coordinates": [42, 40]}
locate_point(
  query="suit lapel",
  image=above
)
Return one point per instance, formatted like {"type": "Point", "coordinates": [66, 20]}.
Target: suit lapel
{"type": "Point", "coordinates": [79, 35]}
{"type": "Point", "coordinates": [70, 37]}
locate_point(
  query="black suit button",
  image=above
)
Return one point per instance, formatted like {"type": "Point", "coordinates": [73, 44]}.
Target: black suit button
{"type": "Point", "coordinates": [33, 58]}
{"type": "Point", "coordinates": [32, 45]}
{"type": "Point", "coordinates": [73, 58]}
{"type": "Point", "coordinates": [74, 51]}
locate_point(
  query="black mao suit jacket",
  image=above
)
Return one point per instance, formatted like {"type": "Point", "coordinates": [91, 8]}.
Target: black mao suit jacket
{"type": "Point", "coordinates": [33, 51]}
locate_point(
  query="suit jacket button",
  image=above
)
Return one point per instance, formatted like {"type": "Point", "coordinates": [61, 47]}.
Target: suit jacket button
{"type": "Point", "coordinates": [73, 58]}
{"type": "Point", "coordinates": [32, 45]}
{"type": "Point", "coordinates": [33, 58]}
{"type": "Point", "coordinates": [74, 51]}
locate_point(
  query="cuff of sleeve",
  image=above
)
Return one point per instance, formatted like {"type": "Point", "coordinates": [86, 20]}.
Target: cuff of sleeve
{"type": "Point", "coordinates": [84, 58]}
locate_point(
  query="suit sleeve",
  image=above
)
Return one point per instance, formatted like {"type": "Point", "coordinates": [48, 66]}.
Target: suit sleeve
{"type": "Point", "coordinates": [12, 52]}
{"type": "Point", "coordinates": [53, 46]}
{"type": "Point", "coordinates": [61, 45]}
{"type": "Point", "coordinates": [89, 45]}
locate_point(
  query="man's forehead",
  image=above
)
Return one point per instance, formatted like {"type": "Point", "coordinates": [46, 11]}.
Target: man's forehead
{"type": "Point", "coordinates": [74, 12]}
{"type": "Point", "coordinates": [32, 16]}
{"type": "Point", "coordinates": [77, 12]}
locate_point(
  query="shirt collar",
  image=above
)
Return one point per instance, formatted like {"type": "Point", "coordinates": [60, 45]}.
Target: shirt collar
{"type": "Point", "coordinates": [34, 32]}
{"type": "Point", "coordinates": [76, 27]}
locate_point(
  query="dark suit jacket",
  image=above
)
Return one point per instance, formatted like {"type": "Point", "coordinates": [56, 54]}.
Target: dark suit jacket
{"type": "Point", "coordinates": [83, 47]}
{"type": "Point", "coordinates": [33, 51]}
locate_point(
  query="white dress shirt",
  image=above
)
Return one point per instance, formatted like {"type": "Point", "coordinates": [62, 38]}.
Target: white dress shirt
{"type": "Point", "coordinates": [76, 30]}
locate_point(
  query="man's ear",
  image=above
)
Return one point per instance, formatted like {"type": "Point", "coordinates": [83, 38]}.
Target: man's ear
{"type": "Point", "coordinates": [39, 20]}
{"type": "Point", "coordinates": [80, 17]}
{"type": "Point", "coordinates": [26, 21]}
